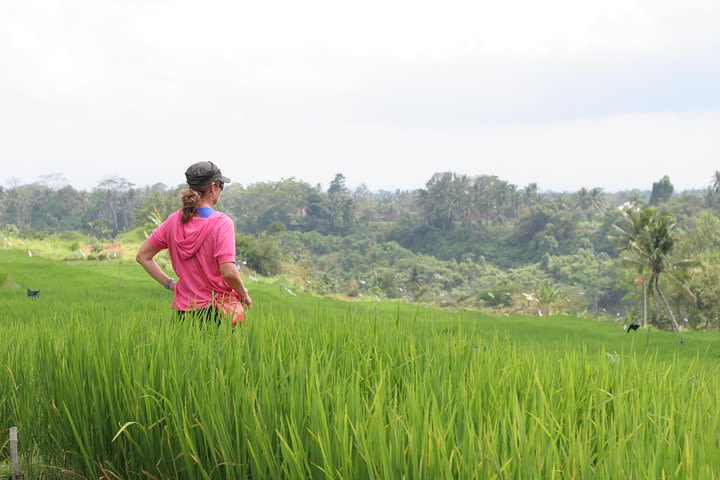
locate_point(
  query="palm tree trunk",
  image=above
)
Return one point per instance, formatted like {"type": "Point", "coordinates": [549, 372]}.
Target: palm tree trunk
{"type": "Point", "coordinates": [644, 322]}
{"type": "Point", "coordinates": [675, 325]}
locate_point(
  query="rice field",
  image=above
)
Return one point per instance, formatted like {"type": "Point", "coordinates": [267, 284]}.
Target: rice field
{"type": "Point", "coordinates": [101, 380]}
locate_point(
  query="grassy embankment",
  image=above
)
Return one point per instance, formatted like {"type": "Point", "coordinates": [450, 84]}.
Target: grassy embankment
{"type": "Point", "coordinates": [98, 377]}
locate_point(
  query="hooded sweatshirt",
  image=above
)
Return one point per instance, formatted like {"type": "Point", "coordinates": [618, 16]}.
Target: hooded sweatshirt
{"type": "Point", "coordinates": [197, 249]}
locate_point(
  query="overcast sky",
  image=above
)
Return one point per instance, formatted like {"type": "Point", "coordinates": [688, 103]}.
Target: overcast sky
{"type": "Point", "coordinates": [565, 93]}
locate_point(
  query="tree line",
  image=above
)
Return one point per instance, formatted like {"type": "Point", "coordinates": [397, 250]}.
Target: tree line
{"type": "Point", "coordinates": [116, 205]}
{"type": "Point", "coordinates": [470, 240]}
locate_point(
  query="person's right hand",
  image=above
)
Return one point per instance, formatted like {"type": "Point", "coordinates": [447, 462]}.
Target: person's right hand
{"type": "Point", "coordinates": [246, 300]}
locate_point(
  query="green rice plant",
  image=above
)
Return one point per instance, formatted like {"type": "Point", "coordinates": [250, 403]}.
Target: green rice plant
{"type": "Point", "coordinates": [101, 379]}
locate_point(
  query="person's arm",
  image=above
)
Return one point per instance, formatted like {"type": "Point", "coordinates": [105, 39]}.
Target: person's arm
{"type": "Point", "coordinates": [146, 257]}
{"type": "Point", "coordinates": [232, 277]}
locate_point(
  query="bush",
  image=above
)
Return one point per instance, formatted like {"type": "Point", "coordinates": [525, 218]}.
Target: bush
{"type": "Point", "coordinates": [496, 298]}
{"type": "Point", "coordinates": [262, 255]}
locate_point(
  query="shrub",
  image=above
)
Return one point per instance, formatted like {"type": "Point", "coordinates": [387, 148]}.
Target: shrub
{"type": "Point", "coordinates": [262, 255]}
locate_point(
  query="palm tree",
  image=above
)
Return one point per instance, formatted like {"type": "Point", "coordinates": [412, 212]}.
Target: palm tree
{"type": "Point", "coordinates": [446, 199]}
{"type": "Point", "coordinates": [530, 195]}
{"type": "Point", "coordinates": [415, 280]}
{"type": "Point", "coordinates": [716, 181]}
{"type": "Point", "coordinates": [597, 199]}
{"type": "Point", "coordinates": [712, 194]}
{"type": "Point", "coordinates": [647, 242]}
{"type": "Point", "coordinates": [462, 199]}
{"type": "Point", "coordinates": [583, 200]}
{"type": "Point", "coordinates": [483, 196]}
{"type": "Point", "coordinates": [589, 201]}
{"type": "Point", "coordinates": [636, 220]}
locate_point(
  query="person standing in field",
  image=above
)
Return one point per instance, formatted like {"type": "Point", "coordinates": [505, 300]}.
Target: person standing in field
{"type": "Point", "coordinates": [201, 243]}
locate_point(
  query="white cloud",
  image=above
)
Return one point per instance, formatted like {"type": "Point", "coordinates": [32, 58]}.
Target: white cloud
{"type": "Point", "coordinates": [616, 152]}
{"type": "Point", "coordinates": [388, 92]}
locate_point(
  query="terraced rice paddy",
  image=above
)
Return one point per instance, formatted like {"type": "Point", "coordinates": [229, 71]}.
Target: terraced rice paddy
{"type": "Point", "coordinates": [102, 381]}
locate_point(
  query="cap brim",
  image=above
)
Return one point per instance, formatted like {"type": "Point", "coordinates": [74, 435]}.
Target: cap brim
{"type": "Point", "coordinates": [224, 179]}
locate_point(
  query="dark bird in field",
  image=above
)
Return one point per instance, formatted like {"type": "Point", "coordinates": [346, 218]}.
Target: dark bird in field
{"type": "Point", "coordinates": [33, 293]}
{"type": "Point", "coordinates": [633, 326]}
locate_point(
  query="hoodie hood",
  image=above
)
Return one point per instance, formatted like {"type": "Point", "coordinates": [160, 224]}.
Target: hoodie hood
{"type": "Point", "coordinates": [189, 236]}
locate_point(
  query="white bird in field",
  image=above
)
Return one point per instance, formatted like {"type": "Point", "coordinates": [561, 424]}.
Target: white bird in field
{"type": "Point", "coordinates": [29, 254]}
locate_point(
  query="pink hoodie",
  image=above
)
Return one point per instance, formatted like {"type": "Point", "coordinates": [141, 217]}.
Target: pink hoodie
{"type": "Point", "coordinates": [197, 249]}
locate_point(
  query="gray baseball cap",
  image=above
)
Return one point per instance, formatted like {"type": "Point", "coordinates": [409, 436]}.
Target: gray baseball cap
{"type": "Point", "coordinates": [202, 174]}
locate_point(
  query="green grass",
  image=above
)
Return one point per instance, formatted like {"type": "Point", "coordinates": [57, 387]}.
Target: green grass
{"type": "Point", "coordinates": [99, 377]}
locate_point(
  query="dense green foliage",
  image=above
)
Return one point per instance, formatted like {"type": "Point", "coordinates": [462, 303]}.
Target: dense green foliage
{"type": "Point", "coordinates": [101, 380]}
{"type": "Point", "coordinates": [661, 191]}
{"type": "Point", "coordinates": [479, 242]}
